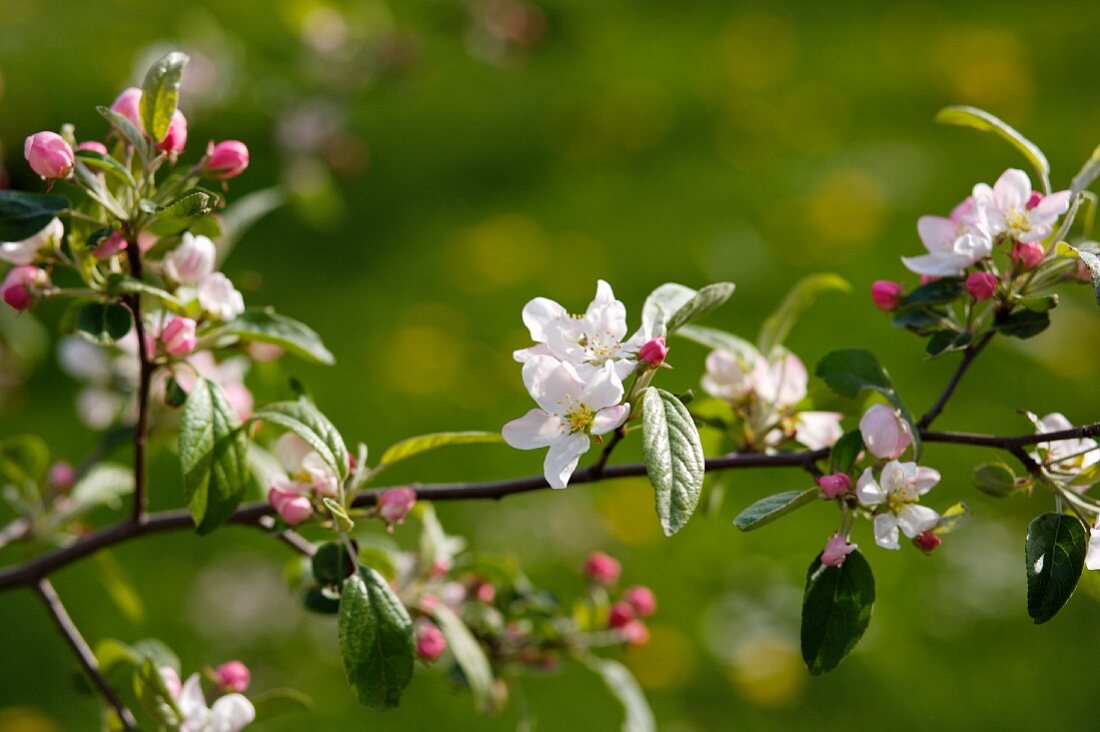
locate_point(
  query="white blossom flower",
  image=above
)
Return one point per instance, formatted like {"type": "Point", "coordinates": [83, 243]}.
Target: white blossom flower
{"type": "Point", "coordinates": [229, 713]}
{"type": "Point", "coordinates": [952, 247]}
{"type": "Point", "coordinates": [192, 261]}
{"type": "Point", "coordinates": [219, 298]}
{"type": "Point", "coordinates": [1066, 458]}
{"type": "Point", "coordinates": [570, 410]}
{"type": "Point", "coordinates": [26, 251]}
{"type": "Point", "coordinates": [305, 468]}
{"type": "Point", "coordinates": [899, 487]}
{"type": "Point", "coordinates": [1092, 556]}
{"type": "Point", "coordinates": [1012, 209]}
{"type": "Point", "coordinates": [587, 341]}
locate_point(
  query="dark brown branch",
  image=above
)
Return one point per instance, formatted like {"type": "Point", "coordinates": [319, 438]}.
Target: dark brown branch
{"type": "Point", "coordinates": [145, 377]}
{"type": "Point", "coordinates": [968, 357]}
{"type": "Point", "coordinates": [83, 653]}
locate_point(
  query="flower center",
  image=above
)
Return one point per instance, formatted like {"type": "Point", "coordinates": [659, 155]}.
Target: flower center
{"type": "Point", "coordinates": [1017, 220]}
{"type": "Point", "coordinates": [579, 418]}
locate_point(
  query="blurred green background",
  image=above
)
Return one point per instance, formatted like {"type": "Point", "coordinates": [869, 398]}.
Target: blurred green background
{"type": "Point", "coordinates": [448, 161]}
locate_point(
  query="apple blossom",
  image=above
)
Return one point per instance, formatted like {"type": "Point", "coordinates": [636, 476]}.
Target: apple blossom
{"type": "Point", "coordinates": [128, 104]}
{"type": "Point", "coordinates": [233, 676]}
{"type": "Point", "coordinates": [430, 642]}
{"type": "Point", "coordinates": [834, 485]}
{"type": "Point", "coordinates": [886, 294]}
{"type": "Point", "coordinates": [226, 160]}
{"type": "Point", "coordinates": [176, 139]}
{"type": "Point", "coordinates": [292, 506]}
{"type": "Point", "coordinates": [229, 713]}
{"type": "Point", "coordinates": [587, 341]}
{"type": "Point", "coordinates": [602, 568]}
{"type": "Point", "coordinates": [306, 470]}
{"type": "Point", "coordinates": [837, 549]}
{"type": "Point", "coordinates": [228, 373]}
{"type": "Point", "coordinates": [28, 250]}
{"type": "Point", "coordinates": [642, 599]}
{"type": "Point", "coordinates": [395, 503]}
{"type": "Point", "coordinates": [93, 146]}
{"type": "Point", "coordinates": [192, 261]}
{"type": "Point", "coordinates": [179, 336]}
{"type": "Point", "coordinates": [1011, 209]}
{"type": "Point", "coordinates": [570, 409]}
{"type": "Point", "coordinates": [1028, 254]}
{"type": "Point", "coordinates": [1066, 458]}
{"type": "Point", "coordinates": [653, 352]}
{"type": "Point", "coordinates": [896, 492]}
{"type": "Point", "coordinates": [982, 285]}
{"type": "Point", "coordinates": [219, 298]}
{"type": "Point", "coordinates": [49, 155]}
{"type": "Point", "coordinates": [949, 258]}
{"type": "Point", "coordinates": [22, 285]}
{"type": "Point", "coordinates": [884, 432]}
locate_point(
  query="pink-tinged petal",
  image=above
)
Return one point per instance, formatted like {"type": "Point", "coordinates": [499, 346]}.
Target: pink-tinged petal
{"type": "Point", "coordinates": [789, 379]}
{"type": "Point", "coordinates": [816, 430]}
{"type": "Point", "coordinates": [869, 492]}
{"type": "Point", "coordinates": [233, 711]}
{"type": "Point", "coordinates": [1012, 190]}
{"type": "Point", "coordinates": [562, 458]}
{"type": "Point", "coordinates": [914, 520]}
{"type": "Point", "coordinates": [933, 265]}
{"type": "Point", "coordinates": [983, 197]}
{"type": "Point", "coordinates": [291, 451]}
{"type": "Point", "coordinates": [533, 430]}
{"type": "Point", "coordinates": [539, 314]}
{"type": "Point", "coordinates": [937, 233]}
{"type": "Point", "coordinates": [925, 479]}
{"type": "Point", "coordinates": [725, 377]}
{"type": "Point", "coordinates": [524, 355]}
{"type": "Point", "coordinates": [604, 389]}
{"type": "Point", "coordinates": [886, 531]}
{"type": "Point", "coordinates": [610, 418]}
{"type": "Point", "coordinates": [553, 385]}
{"type": "Point", "coordinates": [190, 699]}
{"type": "Point", "coordinates": [1052, 206]}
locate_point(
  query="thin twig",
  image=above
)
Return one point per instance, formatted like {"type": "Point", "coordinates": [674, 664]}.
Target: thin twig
{"type": "Point", "coordinates": [141, 429]}
{"type": "Point", "coordinates": [968, 357]}
{"type": "Point", "coordinates": [83, 653]}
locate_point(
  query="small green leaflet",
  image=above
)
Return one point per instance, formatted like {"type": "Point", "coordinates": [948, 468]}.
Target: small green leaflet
{"type": "Point", "coordinates": [267, 326]}
{"type": "Point", "coordinates": [1055, 555]}
{"type": "Point", "coordinates": [306, 421]}
{"type": "Point", "coordinates": [836, 609]}
{"type": "Point", "coordinates": [801, 297]}
{"type": "Point", "coordinates": [1087, 174]}
{"type": "Point", "coordinates": [979, 119]}
{"type": "Point", "coordinates": [107, 164]}
{"type": "Point", "coordinates": [160, 94]}
{"type": "Point", "coordinates": [468, 654]}
{"type": "Point", "coordinates": [377, 643]}
{"type": "Point", "coordinates": [673, 457]}
{"type": "Point", "coordinates": [621, 683]}
{"type": "Point", "coordinates": [22, 215]}
{"type": "Point", "coordinates": [702, 302]}
{"type": "Point", "coordinates": [129, 132]}
{"type": "Point", "coordinates": [213, 456]}
{"type": "Point", "coordinates": [845, 452]}
{"type": "Point", "coordinates": [422, 443]}
{"type": "Point", "coordinates": [103, 322]}
{"type": "Point", "coordinates": [768, 509]}
{"type": "Point", "coordinates": [994, 479]}
{"type": "Point", "coordinates": [720, 340]}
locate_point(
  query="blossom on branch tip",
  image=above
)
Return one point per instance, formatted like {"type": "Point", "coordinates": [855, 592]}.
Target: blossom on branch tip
{"type": "Point", "coordinates": [228, 713]}
{"type": "Point", "coordinates": [394, 504]}
{"type": "Point", "coordinates": [1028, 254]}
{"type": "Point", "coordinates": [1011, 209]}
{"type": "Point", "coordinates": [896, 493]}
{"type": "Point", "coordinates": [29, 249]}
{"type": "Point", "coordinates": [49, 155]}
{"type": "Point", "coordinates": [226, 159]}
{"type": "Point", "coordinates": [1067, 459]}
{"type": "Point", "coordinates": [884, 432]}
{"type": "Point", "coordinates": [602, 568]}
{"type": "Point", "coordinates": [835, 485]}
{"type": "Point", "coordinates": [620, 614]}
{"type": "Point", "coordinates": [653, 352]}
{"type": "Point", "coordinates": [642, 599]}
{"type": "Point", "coordinates": [233, 676]}
{"type": "Point", "coordinates": [928, 541]}
{"type": "Point", "coordinates": [219, 298]}
{"type": "Point", "coordinates": [635, 632]}
{"type": "Point", "coordinates": [837, 549]}
{"type": "Point", "coordinates": [192, 261]}
{"type": "Point", "coordinates": [176, 139]}
{"type": "Point", "coordinates": [292, 506]}
{"type": "Point", "coordinates": [93, 146]}
{"type": "Point", "coordinates": [22, 286]}
{"type": "Point", "coordinates": [178, 336]}
{"type": "Point", "coordinates": [886, 294]}
{"type": "Point", "coordinates": [306, 469]}
{"type": "Point", "coordinates": [128, 104]}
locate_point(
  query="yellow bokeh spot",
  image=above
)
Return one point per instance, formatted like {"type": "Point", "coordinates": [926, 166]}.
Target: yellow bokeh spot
{"type": "Point", "coordinates": [503, 250]}
{"type": "Point", "coordinates": [759, 50]}
{"type": "Point", "coordinates": [423, 359]}
{"type": "Point", "coordinates": [985, 66]}
{"type": "Point", "coordinates": [626, 507]}
{"type": "Point", "coordinates": [22, 719]}
{"type": "Point", "coordinates": [666, 662]}
{"type": "Point", "coordinates": [847, 207]}
{"type": "Point", "coordinates": [767, 671]}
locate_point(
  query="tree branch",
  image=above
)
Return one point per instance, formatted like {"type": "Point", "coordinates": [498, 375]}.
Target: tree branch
{"type": "Point", "coordinates": [83, 653]}
{"type": "Point", "coordinates": [968, 357]}
{"type": "Point", "coordinates": [145, 377]}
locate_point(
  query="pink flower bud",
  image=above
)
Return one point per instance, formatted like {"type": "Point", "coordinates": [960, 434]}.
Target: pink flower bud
{"type": "Point", "coordinates": [603, 569]}
{"type": "Point", "coordinates": [636, 633]}
{"type": "Point", "coordinates": [429, 602]}
{"type": "Point", "coordinates": [174, 142]}
{"type": "Point", "coordinates": [886, 294]}
{"type": "Point", "coordinates": [981, 285]}
{"type": "Point", "coordinates": [884, 432]}
{"type": "Point", "coordinates": [834, 485]}
{"type": "Point", "coordinates": [111, 245]}
{"type": "Point", "coordinates": [226, 160]}
{"type": "Point", "coordinates": [485, 592]}
{"type": "Point", "coordinates": [94, 146]}
{"type": "Point", "coordinates": [192, 261]}
{"type": "Point", "coordinates": [49, 155]}
{"type": "Point", "coordinates": [621, 613]}
{"type": "Point", "coordinates": [128, 104]}
{"type": "Point", "coordinates": [440, 567]}
{"type": "Point", "coordinates": [641, 599]}
{"type": "Point", "coordinates": [928, 541]}
{"type": "Point", "coordinates": [178, 336]}
{"type": "Point", "coordinates": [292, 507]}
{"type": "Point", "coordinates": [430, 642]}
{"type": "Point", "coordinates": [1028, 254]}
{"type": "Point", "coordinates": [233, 676]}
{"type": "Point", "coordinates": [1034, 200]}
{"type": "Point", "coordinates": [653, 352]}
{"type": "Point", "coordinates": [836, 551]}
{"type": "Point", "coordinates": [22, 284]}
{"type": "Point", "coordinates": [395, 504]}
{"type": "Point", "coordinates": [61, 475]}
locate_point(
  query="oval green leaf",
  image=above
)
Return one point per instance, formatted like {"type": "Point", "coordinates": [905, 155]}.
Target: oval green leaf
{"type": "Point", "coordinates": [213, 456]}
{"type": "Point", "coordinates": [1055, 555]}
{"type": "Point", "coordinates": [267, 326]}
{"type": "Point", "coordinates": [673, 457]}
{"type": "Point", "coordinates": [104, 322]}
{"type": "Point", "coordinates": [22, 215]}
{"type": "Point", "coordinates": [376, 640]}
{"type": "Point", "coordinates": [306, 421]}
{"type": "Point", "coordinates": [422, 443]}
{"type": "Point", "coordinates": [468, 654]}
{"type": "Point", "coordinates": [980, 119]}
{"type": "Point", "coordinates": [768, 509]}
{"type": "Point", "coordinates": [701, 303]}
{"type": "Point", "coordinates": [836, 609]}
{"type": "Point", "coordinates": [160, 94]}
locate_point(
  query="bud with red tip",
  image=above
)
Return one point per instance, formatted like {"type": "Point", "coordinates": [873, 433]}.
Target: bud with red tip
{"type": "Point", "coordinates": [178, 336]}
{"type": "Point", "coordinates": [603, 569]}
{"type": "Point", "coordinates": [22, 285]}
{"type": "Point", "coordinates": [233, 676]}
{"type": "Point", "coordinates": [49, 155]}
{"type": "Point", "coordinates": [1028, 254]}
{"type": "Point", "coordinates": [620, 614]}
{"type": "Point", "coordinates": [886, 294]}
{"type": "Point", "coordinates": [653, 352]}
{"type": "Point", "coordinates": [430, 642]}
{"type": "Point", "coordinates": [292, 507]}
{"type": "Point", "coordinates": [226, 160]}
{"type": "Point", "coordinates": [174, 142]}
{"type": "Point", "coordinates": [128, 104]}
{"type": "Point", "coordinates": [834, 485]}
{"type": "Point", "coordinates": [981, 285]}
{"type": "Point", "coordinates": [928, 541]}
{"type": "Point", "coordinates": [642, 599]}
{"type": "Point", "coordinates": [395, 504]}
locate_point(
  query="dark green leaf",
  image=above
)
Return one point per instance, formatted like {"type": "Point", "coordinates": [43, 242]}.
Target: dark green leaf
{"type": "Point", "coordinates": [702, 302]}
{"type": "Point", "coordinates": [937, 292]}
{"type": "Point", "coordinates": [267, 326]}
{"type": "Point", "coordinates": [317, 601]}
{"type": "Point", "coordinates": [1055, 555]}
{"type": "Point", "coordinates": [1023, 323]}
{"type": "Point", "coordinates": [155, 697]}
{"type": "Point", "coordinates": [423, 443]}
{"type": "Point", "coordinates": [920, 319]}
{"type": "Point", "coordinates": [768, 509]}
{"type": "Point", "coordinates": [801, 297]}
{"type": "Point", "coordinates": [104, 322]}
{"type": "Point", "coordinates": [306, 421]}
{"type": "Point", "coordinates": [196, 203]}
{"type": "Point", "coordinates": [842, 458]}
{"type": "Point", "coordinates": [22, 215]}
{"type": "Point", "coordinates": [376, 640]}
{"type": "Point", "coordinates": [947, 341]}
{"type": "Point", "coordinates": [160, 94]}
{"type": "Point", "coordinates": [213, 456]}
{"type": "Point", "coordinates": [332, 564]}
{"type": "Point", "coordinates": [673, 457]}
{"type": "Point", "coordinates": [836, 609]}
{"type": "Point", "coordinates": [129, 133]}
{"type": "Point", "coordinates": [995, 479]}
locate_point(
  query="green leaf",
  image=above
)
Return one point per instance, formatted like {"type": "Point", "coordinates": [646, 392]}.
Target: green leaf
{"type": "Point", "coordinates": [979, 119]}
{"type": "Point", "coordinates": [332, 564]}
{"type": "Point", "coordinates": [278, 702]}
{"type": "Point", "coordinates": [108, 164]}
{"type": "Point", "coordinates": [803, 295]}
{"type": "Point", "coordinates": [621, 683]}
{"type": "Point", "coordinates": [1092, 261]}
{"type": "Point", "coordinates": [129, 132]}
{"type": "Point", "coordinates": [1039, 303]}
{"type": "Point", "coordinates": [158, 652]}
{"type": "Point", "coordinates": [720, 340]}
{"type": "Point", "coordinates": [953, 518]}
{"type": "Point", "coordinates": [416, 445]}
{"type": "Point", "coordinates": [121, 284]}
{"type": "Point", "coordinates": [936, 292]}
{"type": "Point", "coordinates": [662, 304]}
{"type": "Point", "coordinates": [213, 456]}
{"type": "Point", "coordinates": [376, 640]}
{"type": "Point", "coordinates": [1023, 323]}
{"type": "Point", "coordinates": [119, 587]}
{"type": "Point", "coordinates": [24, 459]}
{"type": "Point", "coordinates": [947, 341]}
{"type": "Point", "coordinates": [673, 457]}
{"type": "Point", "coordinates": [1055, 555]}
{"type": "Point", "coordinates": [836, 609]}
{"type": "Point", "coordinates": [468, 654]}
{"type": "Point", "coordinates": [1086, 175]}
{"type": "Point", "coordinates": [851, 371]}
{"type": "Point", "coordinates": [196, 203]}
{"type": "Point", "coordinates": [768, 509]}
{"type": "Point", "coordinates": [104, 322]}
{"type": "Point", "coordinates": [160, 94]}
{"type": "Point", "coordinates": [702, 302]}
{"type": "Point", "coordinates": [111, 654]}
{"type": "Point", "coordinates": [994, 479]}
{"type": "Point", "coordinates": [306, 421]}
{"type": "Point", "coordinates": [842, 458]}
{"type": "Point", "coordinates": [267, 326]}
{"type": "Point", "coordinates": [921, 319]}
{"type": "Point", "coordinates": [22, 215]}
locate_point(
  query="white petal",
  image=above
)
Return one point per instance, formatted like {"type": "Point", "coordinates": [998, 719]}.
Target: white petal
{"type": "Point", "coordinates": [1055, 422]}
{"type": "Point", "coordinates": [524, 355]}
{"type": "Point", "coordinates": [539, 314]}
{"type": "Point", "coordinates": [610, 418]}
{"type": "Point", "coordinates": [604, 294]}
{"type": "Point", "coordinates": [915, 519]}
{"type": "Point", "coordinates": [1092, 558]}
{"type": "Point", "coordinates": [562, 458]}
{"type": "Point", "coordinates": [816, 430]}
{"type": "Point", "coordinates": [937, 233]}
{"type": "Point", "coordinates": [292, 450]}
{"type": "Point", "coordinates": [191, 699]}
{"type": "Point", "coordinates": [624, 367]}
{"type": "Point", "coordinates": [933, 265]}
{"type": "Point", "coordinates": [868, 491]}
{"type": "Point", "coordinates": [533, 430]}
{"type": "Point", "coordinates": [603, 390]}
{"type": "Point", "coordinates": [886, 531]}
{"type": "Point", "coordinates": [725, 378]}
{"type": "Point", "coordinates": [233, 711]}
{"type": "Point", "coordinates": [1012, 189]}
{"type": "Point", "coordinates": [925, 479]}
{"type": "Point", "coordinates": [554, 385]}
